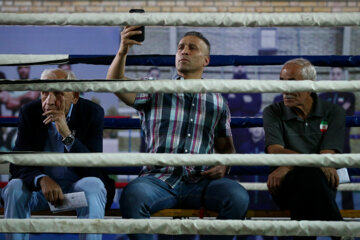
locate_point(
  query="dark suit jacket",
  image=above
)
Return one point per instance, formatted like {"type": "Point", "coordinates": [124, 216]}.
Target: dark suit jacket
{"type": "Point", "coordinates": [87, 119]}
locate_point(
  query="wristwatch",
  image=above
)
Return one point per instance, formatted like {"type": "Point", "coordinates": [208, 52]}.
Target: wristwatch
{"type": "Point", "coordinates": [68, 140]}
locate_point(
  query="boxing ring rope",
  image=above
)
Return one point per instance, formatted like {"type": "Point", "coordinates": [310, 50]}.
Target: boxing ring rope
{"type": "Point", "coordinates": [185, 19]}
{"type": "Point", "coordinates": [139, 159]}
{"type": "Point", "coordinates": [174, 86]}
{"type": "Point", "coordinates": [184, 226]}
{"type": "Point", "coordinates": [169, 159]}
{"type": "Point", "coordinates": [215, 227]}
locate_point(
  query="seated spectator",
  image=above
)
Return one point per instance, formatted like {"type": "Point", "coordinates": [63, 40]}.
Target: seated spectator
{"type": "Point", "coordinates": [180, 123]}
{"type": "Point", "coordinates": [304, 123]}
{"type": "Point", "coordinates": [153, 73]}
{"type": "Point", "coordinates": [59, 122]}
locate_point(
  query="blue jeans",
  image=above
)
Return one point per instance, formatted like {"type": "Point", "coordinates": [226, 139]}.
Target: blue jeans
{"type": "Point", "coordinates": [147, 195]}
{"type": "Point", "coordinates": [19, 202]}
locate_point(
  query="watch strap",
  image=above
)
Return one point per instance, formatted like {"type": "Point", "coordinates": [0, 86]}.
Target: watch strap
{"type": "Point", "coordinates": [69, 140]}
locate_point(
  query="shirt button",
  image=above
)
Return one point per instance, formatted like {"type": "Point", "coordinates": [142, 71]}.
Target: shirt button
{"type": "Point", "coordinates": [193, 105]}
{"type": "Point", "coordinates": [191, 120]}
{"type": "Point", "coordinates": [189, 134]}
{"type": "Point", "coordinates": [306, 124]}
{"type": "Point", "coordinates": [186, 150]}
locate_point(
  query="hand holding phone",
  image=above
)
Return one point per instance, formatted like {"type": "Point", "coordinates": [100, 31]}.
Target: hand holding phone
{"type": "Point", "coordinates": [140, 37]}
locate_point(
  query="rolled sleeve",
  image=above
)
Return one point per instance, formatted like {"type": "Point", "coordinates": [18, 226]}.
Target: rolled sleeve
{"type": "Point", "coordinates": [36, 179]}
{"type": "Point", "coordinates": [141, 100]}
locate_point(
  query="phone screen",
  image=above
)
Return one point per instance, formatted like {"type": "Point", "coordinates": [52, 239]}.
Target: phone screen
{"type": "Point", "coordinates": [141, 37]}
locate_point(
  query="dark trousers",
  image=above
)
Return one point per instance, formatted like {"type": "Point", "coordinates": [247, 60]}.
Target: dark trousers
{"type": "Point", "coordinates": [307, 194]}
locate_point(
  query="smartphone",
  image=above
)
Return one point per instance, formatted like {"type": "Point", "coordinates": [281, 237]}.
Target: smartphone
{"type": "Point", "coordinates": [141, 37]}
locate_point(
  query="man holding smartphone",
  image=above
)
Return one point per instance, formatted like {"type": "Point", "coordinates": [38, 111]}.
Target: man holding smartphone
{"type": "Point", "coordinates": [181, 123]}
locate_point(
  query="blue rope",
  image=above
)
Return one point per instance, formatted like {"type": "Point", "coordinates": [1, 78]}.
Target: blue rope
{"type": "Point", "coordinates": [220, 60]}
{"type": "Point", "coordinates": [216, 60]}
{"type": "Point", "coordinates": [133, 123]}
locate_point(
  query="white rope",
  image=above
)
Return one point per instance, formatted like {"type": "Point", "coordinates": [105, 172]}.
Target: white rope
{"type": "Point", "coordinates": [250, 186]}
{"type": "Point", "coordinates": [17, 59]}
{"type": "Point", "coordinates": [185, 19]}
{"type": "Point", "coordinates": [186, 86]}
{"type": "Point", "coordinates": [349, 187]}
{"type": "Point", "coordinates": [4, 169]}
{"type": "Point", "coordinates": [168, 159]}
{"type": "Point", "coordinates": [183, 226]}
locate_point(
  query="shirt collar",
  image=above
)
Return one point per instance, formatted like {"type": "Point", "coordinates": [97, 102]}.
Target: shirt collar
{"type": "Point", "coordinates": [69, 113]}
